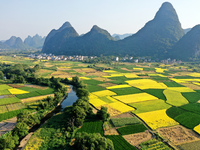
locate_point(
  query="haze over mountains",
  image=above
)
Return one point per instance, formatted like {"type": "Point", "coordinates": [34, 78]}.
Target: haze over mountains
{"type": "Point", "coordinates": [161, 37]}
{"type": "Point", "coordinates": [35, 42]}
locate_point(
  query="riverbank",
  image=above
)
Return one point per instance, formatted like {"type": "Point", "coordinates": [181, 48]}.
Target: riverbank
{"type": "Point", "coordinates": [71, 96]}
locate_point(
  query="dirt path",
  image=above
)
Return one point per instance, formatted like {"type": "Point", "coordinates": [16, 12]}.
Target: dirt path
{"type": "Point", "coordinates": [7, 125]}
{"type": "Point", "coordinates": [24, 141]}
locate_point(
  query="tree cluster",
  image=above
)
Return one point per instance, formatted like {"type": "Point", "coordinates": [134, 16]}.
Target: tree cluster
{"type": "Point", "coordinates": [93, 141]}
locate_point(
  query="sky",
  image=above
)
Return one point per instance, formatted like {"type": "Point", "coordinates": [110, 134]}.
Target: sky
{"type": "Point", "coordinates": [29, 17]}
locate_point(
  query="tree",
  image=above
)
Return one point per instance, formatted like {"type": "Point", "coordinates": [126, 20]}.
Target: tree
{"type": "Point", "coordinates": [102, 114]}
{"type": "Point", "coordinates": [93, 141]}
{"type": "Point", "coordinates": [82, 92]}
{"type": "Point", "coordinates": [21, 129]}
{"type": "Point", "coordinates": [1, 75]}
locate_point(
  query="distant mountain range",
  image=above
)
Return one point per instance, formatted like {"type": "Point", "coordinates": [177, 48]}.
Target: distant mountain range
{"type": "Point", "coordinates": [35, 42]}
{"type": "Point", "coordinates": [156, 39]}
{"type": "Point", "coordinates": [121, 36]}
{"type": "Point", "coordinates": [162, 37]}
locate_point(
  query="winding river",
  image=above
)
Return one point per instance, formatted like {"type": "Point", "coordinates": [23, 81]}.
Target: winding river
{"type": "Point", "coordinates": [68, 101]}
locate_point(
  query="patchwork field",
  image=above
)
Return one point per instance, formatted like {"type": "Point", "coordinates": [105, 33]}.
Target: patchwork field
{"type": "Point", "coordinates": [162, 96]}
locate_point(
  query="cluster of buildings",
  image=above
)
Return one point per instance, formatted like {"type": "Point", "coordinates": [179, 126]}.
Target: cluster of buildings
{"type": "Point", "coordinates": [62, 57]}
{"type": "Point", "coordinates": [45, 56]}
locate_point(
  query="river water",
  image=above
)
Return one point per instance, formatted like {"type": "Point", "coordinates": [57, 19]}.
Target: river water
{"type": "Point", "coordinates": [70, 99]}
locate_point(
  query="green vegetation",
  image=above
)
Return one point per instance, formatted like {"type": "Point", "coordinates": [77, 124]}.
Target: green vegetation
{"type": "Point", "coordinates": [131, 129]}
{"type": "Point", "coordinates": [3, 109]}
{"type": "Point", "coordinates": [4, 92]}
{"type": "Point", "coordinates": [156, 92]}
{"type": "Point", "coordinates": [120, 143]}
{"type": "Point", "coordinates": [172, 84]}
{"type": "Point", "coordinates": [154, 144]}
{"type": "Point", "coordinates": [102, 113]}
{"type": "Point", "coordinates": [195, 108]}
{"type": "Point", "coordinates": [118, 122]}
{"type": "Point", "coordinates": [185, 118]}
{"type": "Point", "coordinates": [94, 88]}
{"type": "Point", "coordinates": [92, 141]}
{"type": "Point", "coordinates": [148, 106]}
{"type": "Point", "coordinates": [192, 97]}
{"type": "Point", "coordinates": [10, 114]}
{"type": "Point", "coordinates": [29, 89]}
{"type": "Point", "coordinates": [36, 93]}
{"type": "Point", "coordinates": [27, 95]}
{"type": "Point", "coordinates": [126, 91]}
{"type": "Point", "coordinates": [9, 100]}
{"type": "Point", "coordinates": [175, 98]}
{"type": "Point", "coordinates": [193, 145]}
{"type": "Point", "coordinates": [92, 127]}
{"type": "Point", "coordinates": [105, 99]}
{"type": "Point", "coordinates": [4, 87]}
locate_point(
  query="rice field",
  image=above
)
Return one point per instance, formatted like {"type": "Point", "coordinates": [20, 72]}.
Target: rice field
{"type": "Point", "coordinates": [104, 93]}
{"type": "Point", "coordinates": [133, 98]}
{"type": "Point", "coordinates": [146, 84]}
{"type": "Point", "coordinates": [121, 107]}
{"type": "Point", "coordinates": [157, 119]}
{"type": "Point", "coordinates": [175, 98]}
{"type": "Point", "coordinates": [15, 91]}
{"type": "Point", "coordinates": [148, 106]}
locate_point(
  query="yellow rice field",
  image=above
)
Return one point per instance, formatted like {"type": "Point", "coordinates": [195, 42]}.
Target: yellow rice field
{"type": "Point", "coordinates": [96, 102]}
{"type": "Point", "coordinates": [133, 98]}
{"type": "Point", "coordinates": [197, 129]}
{"type": "Point", "coordinates": [160, 70]}
{"type": "Point", "coordinates": [113, 75]}
{"type": "Point", "coordinates": [104, 93]}
{"type": "Point", "coordinates": [32, 99]}
{"type": "Point", "coordinates": [131, 75]}
{"type": "Point", "coordinates": [15, 91]}
{"type": "Point", "coordinates": [194, 74]}
{"type": "Point", "coordinates": [138, 69]}
{"type": "Point", "coordinates": [84, 78]}
{"type": "Point", "coordinates": [121, 107]}
{"type": "Point", "coordinates": [109, 71]}
{"type": "Point", "coordinates": [118, 86]}
{"type": "Point", "coordinates": [181, 89]}
{"type": "Point", "coordinates": [146, 84]}
{"type": "Point", "coordinates": [154, 74]}
{"type": "Point", "coordinates": [157, 119]}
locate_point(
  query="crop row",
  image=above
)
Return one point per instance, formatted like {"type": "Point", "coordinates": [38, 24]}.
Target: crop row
{"type": "Point", "coordinates": [120, 143]}
{"type": "Point", "coordinates": [92, 127]}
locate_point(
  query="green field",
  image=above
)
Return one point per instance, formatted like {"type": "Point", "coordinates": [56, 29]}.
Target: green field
{"type": "Point", "coordinates": [120, 143]}
{"type": "Point", "coordinates": [9, 100]}
{"type": "Point", "coordinates": [27, 95]}
{"type": "Point", "coordinates": [192, 97]}
{"type": "Point", "coordinates": [10, 114]}
{"type": "Point", "coordinates": [36, 93]}
{"type": "Point", "coordinates": [4, 92]}
{"type": "Point", "coordinates": [189, 146]}
{"type": "Point", "coordinates": [185, 118]}
{"type": "Point", "coordinates": [126, 91]}
{"type": "Point", "coordinates": [29, 89]}
{"type": "Point", "coordinates": [131, 129]}
{"type": "Point", "coordinates": [154, 145]}
{"type": "Point", "coordinates": [105, 99]}
{"type": "Point", "coordinates": [94, 88]}
{"type": "Point", "coordinates": [148, 106]}
{"type": "Point", "coordinates": [118, 122]}
{"type": "Point", "coordinates": [172, 84]}
{"type": "Point", "coordinates": [3, 109]}
{"type": "Point", "coordinates": [4, 87]}
{"type": "Point", "coordinates": [156, 92]}
{"type": "Point", "coordinates": [92, 127]}
{"type": "Point", "coordinates": [175, 98]}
